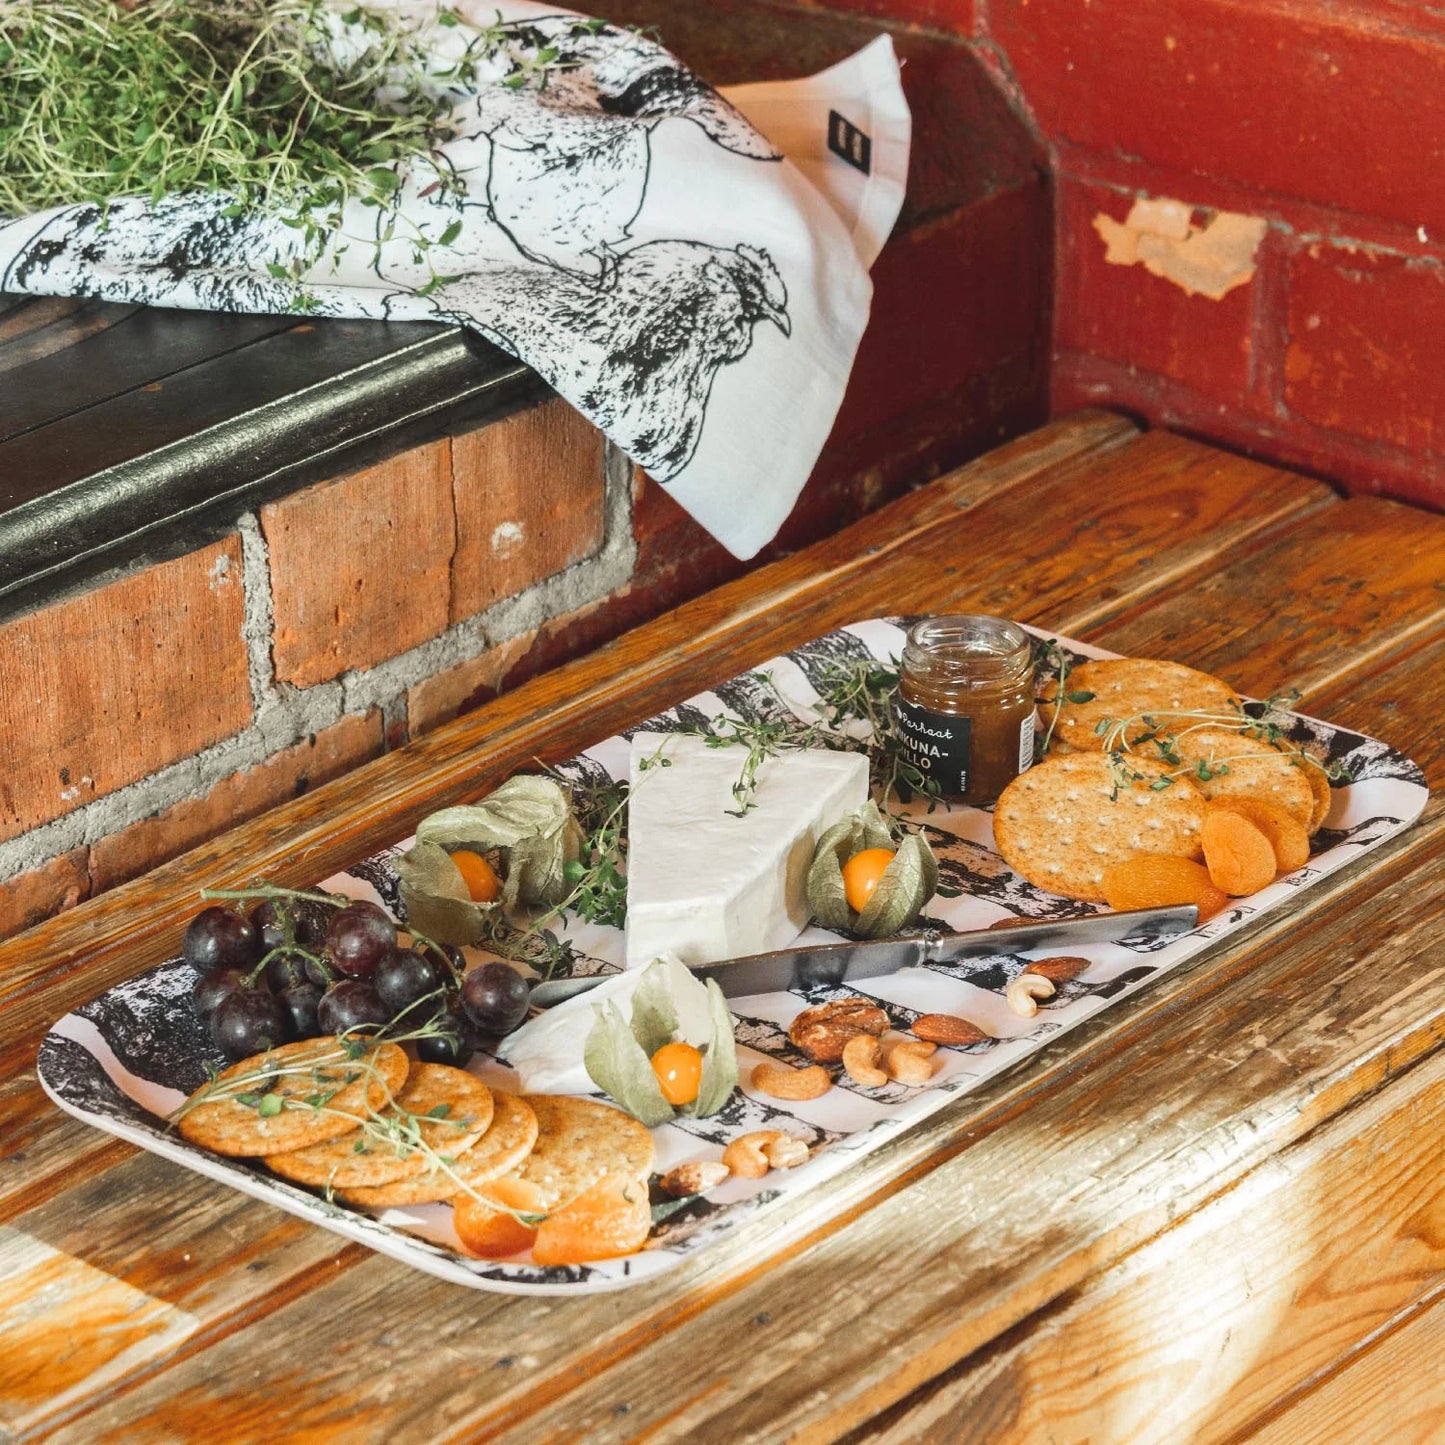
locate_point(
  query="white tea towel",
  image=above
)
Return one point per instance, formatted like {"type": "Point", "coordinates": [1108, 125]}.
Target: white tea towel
{"type": "Point", "coordinates": [690, 271]}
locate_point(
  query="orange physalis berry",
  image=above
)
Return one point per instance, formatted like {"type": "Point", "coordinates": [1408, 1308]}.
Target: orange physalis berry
{"type": "Point", "coordinates": [678, 1067]}
{"type": "Point", "coordinates": [862, 873]}
{"type": "Point", "coordinates": [479, 876]}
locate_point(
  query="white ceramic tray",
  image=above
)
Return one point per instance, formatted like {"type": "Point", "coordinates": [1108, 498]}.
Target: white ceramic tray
{"type": "Point", "coordinates": [125, 1060]}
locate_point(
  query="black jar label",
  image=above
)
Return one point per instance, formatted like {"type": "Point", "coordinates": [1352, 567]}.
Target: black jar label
{"type": "Point", "coordinates": [938, 744]}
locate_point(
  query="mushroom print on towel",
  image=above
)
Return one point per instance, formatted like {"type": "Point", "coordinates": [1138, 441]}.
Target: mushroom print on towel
{"type": "Point", "coordinates": [619, 226]}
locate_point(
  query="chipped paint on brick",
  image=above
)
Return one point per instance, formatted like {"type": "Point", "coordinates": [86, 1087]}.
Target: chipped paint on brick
{"type": "Point", "coordinates": [1209, 258]}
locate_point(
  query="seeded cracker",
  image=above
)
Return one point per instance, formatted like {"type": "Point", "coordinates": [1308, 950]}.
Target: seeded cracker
{"type": "Point", "coordinates": [448, 1109]}
{"type": "Point", "coordinates": [578, 1143]}
{"type": "Point", "coordinates": [1252, 768]}
{"type": "Point", "coordinates": [298, 1075]}
{"type": "Point", "coordinates": [506, 1143]}
{"type": "Point", "coordinates": [1123, 687]}
{"type": "Point", "coordinates": [1062, 823]}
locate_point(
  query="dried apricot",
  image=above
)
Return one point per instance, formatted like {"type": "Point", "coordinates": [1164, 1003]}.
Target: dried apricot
{"type": "Point", "coordinates": [609, 1220]}
{"type": "Point", "coordinates": [1238, 856]}
{"type": "Point", "coordinates": [489, 1233]}
{"type": "Point", "coordinates": [1158, 880]}
{"type": "Point", "coordinates": [1287, 835]}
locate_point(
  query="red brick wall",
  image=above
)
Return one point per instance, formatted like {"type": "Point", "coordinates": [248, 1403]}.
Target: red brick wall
{"type": "Point", "coordinates": [1323, 119]}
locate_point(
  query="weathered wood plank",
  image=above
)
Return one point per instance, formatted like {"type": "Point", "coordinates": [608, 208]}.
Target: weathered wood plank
{"type": "Point", "coordinates": [1374, 563]}
{"type": "Point", "coordinates": [1393, 1390]}
{"type": "Point", "coordinates": [1074, 549]}
{"type": "Point", "coordinates": [202, 1255]}
{"type": "Point", "coordinates": [1222, 1314]}
{"type": "Point", "coordinates": [38, 327]}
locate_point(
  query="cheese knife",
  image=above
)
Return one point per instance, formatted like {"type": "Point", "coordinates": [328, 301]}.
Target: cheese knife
{"type": "Point", "coordinates": [827, 965]}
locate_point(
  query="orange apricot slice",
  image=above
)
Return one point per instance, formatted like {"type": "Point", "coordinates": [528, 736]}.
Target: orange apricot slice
{"type": "Point", "coordinates": [1158, 880]}
{"type": "Point", "coordinates": [609, 1220]}
{"type": "Point", "coordinates": [1238, 855]}
{"type": "Point", "coordinates": [1288, 837]}
{"type": "Point", "coordinates": [489, 1233]}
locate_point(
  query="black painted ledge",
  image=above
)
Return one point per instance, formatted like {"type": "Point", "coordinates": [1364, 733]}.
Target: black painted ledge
{"type": "Point", "coordinates": [129, 432]}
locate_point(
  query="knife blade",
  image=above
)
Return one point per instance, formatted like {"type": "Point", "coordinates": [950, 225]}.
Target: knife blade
{"type": "Point", "coordinates": [827, 965]}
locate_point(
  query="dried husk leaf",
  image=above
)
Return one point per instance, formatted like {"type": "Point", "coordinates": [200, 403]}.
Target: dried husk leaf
{"type": "Point", "coordinates": [436, 898]}
{"type": "Point", "coordinates": [617, 1064]}
{"type": "Point", "coordinates": [909, 881]}
{"type": "Point", "coordinates": [530, 820]}
{"type": "Point", "coordinates": [654, 1011]}
{"type": "Point", "coordinates": [719, 1059]}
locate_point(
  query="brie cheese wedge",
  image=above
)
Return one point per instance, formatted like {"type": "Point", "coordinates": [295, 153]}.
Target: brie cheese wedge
{"type": "Point", "coordinates": [704, 884]}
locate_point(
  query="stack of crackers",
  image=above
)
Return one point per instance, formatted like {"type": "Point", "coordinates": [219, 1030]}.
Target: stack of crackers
{"type": "Point", "coordinates": [369, 1126]}
{"type": "Point", "coordinates": [1137, 766]}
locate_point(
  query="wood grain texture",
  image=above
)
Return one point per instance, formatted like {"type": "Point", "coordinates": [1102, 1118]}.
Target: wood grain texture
{"type": "Point", "coordinates": [1209, 1323]}
{"type": "Point", "coordinates": [1014, 1202]}
{"type": "Point", "coordinates": [1392, 1390]}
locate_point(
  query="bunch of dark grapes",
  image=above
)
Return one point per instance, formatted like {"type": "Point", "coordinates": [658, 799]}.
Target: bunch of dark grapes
{"type": "Point", "coordinates": [295, 967]}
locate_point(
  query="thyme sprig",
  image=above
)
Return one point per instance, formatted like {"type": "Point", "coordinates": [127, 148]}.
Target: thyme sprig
{"type": "Point", "coordinates": [289, 107]}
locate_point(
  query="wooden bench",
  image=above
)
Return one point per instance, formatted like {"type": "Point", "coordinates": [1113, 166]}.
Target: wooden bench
{"type": "Point", "coordinates": [1215, 1212]}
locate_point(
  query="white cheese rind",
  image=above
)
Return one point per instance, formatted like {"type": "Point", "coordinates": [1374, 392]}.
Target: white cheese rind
{"type": "Point", "coordinates": [704, 884]}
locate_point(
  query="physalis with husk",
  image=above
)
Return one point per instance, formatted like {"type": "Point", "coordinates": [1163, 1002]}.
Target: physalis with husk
{"type": "Point", "coordinates": [674, 1054]}
{"type": "Point", "coordinates": [525, 835]}
{"type": "Point", "coordinates": [849, 869]}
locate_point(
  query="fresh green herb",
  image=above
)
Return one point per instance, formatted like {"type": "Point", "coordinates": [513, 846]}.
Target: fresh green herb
{"type": "Point", "coordinates": [285, 106]}
{"type": "Point", "coordinates": [1056, 659]}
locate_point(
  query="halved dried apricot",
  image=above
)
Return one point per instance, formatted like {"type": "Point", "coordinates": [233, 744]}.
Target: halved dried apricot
{"type": "Point", "coordinates": [1238, 855]}
{"type": "Point", "coordinates": [1157, 880]}
{"type": "Point", "coordinates": [1287, 835]}
{"type": "Point", "coordinates": [489, 1233]}
{"type": "Point", "coordinates": [609, 1220]}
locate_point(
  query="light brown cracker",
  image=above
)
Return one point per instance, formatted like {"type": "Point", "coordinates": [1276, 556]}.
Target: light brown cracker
{"type": "Point", "coordinates": [1320, 789]}
{"type": "Point", "coordinates": [506, 1143]}
{"type": "Point", "coordinates": [1123, 687]}
{"type": "Point", "coordinates": [579, 1142]}
{"type": "Point", "coordinates": [384, 1150]}
{"type": "Point", "coordinates": [1063, 822]}
{"type": "Point", "coordinates": [314, 1069]}
{"type": "Point", "coordinates": [1253, 768]}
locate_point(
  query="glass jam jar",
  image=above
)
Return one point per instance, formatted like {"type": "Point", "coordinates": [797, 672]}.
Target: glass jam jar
{"type": "Point", "coordinates": [964, 713]}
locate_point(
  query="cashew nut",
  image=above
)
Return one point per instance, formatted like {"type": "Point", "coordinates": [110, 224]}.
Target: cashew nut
{"type": "Point", "coordinates": [783, 1082]}
{"type": "Point", "coordinates": [911, 1061]}
{"type": "Point", "coordinates": [860, 1059]}
{"type": "Point", "coordinates": [750, 1156]}
{"type": "Point", "coordinates": [697, 1176]}
{"type": "Point", "coordinates": [1023, 993]}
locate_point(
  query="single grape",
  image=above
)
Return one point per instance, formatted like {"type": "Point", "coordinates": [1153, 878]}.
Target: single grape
{"type": "Point", "coordinates": [220, 938]}
{"type": "Point", "coordinates": [286, 970]}
{"type": "Point", "coordinates": [214, 986]}
{"type": "Point", "coordinates": [405, 976]}
{"type": "Point", "coordinates": [351, 1004]}
{"type": "Point", "coordinates": [455, 1041]}
{"type": "Point", "coordinates": [494, 997]}
{"type": "Point", "coordinates": [249, 1022]}
{"type": "Point", "coordinates": [274, 919]}
{"type": "Point", "coordinates": [302, 1003]}
{"type": "Point", "coordinates": [358, 938]}
{"type": "Point", "coordinates": [319, 972]}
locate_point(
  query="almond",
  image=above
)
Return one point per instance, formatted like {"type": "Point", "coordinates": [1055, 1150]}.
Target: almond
{"type": "Point", "coordinates": [949, 1030]}
{"type": "Point", "coordinates": [1058, 969]}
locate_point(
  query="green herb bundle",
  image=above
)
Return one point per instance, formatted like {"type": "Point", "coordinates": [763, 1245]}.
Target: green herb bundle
{"type": "Point", "coordinates": [254, 99]}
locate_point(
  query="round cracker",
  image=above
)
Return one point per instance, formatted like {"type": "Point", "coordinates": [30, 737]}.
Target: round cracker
{"type": "Point", "coordinates": [380, 1152]}
{"type": "Point", "coordinates": [1319, 783]}
{"type": "Point", "coordinates": [1253, 768]}
{"type": "Point", "coordinates": [348, 1077]}
{"type": "Point", "coordinates": [1066, 820]}
{"type": "Point", "coordinates": [1124, 687]}
{"type": "Point", "coordinates": [508, 1141]}
{"type": "Point", "coordinates": [579, 1141]}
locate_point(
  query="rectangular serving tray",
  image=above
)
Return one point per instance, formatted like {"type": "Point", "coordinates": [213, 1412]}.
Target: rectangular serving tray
{"type": "Point", "coordinates": [123, 1061]}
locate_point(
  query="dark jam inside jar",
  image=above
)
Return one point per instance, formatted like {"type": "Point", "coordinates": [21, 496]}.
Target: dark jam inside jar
{"type": "Point", "coordinates": [964, 714]}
